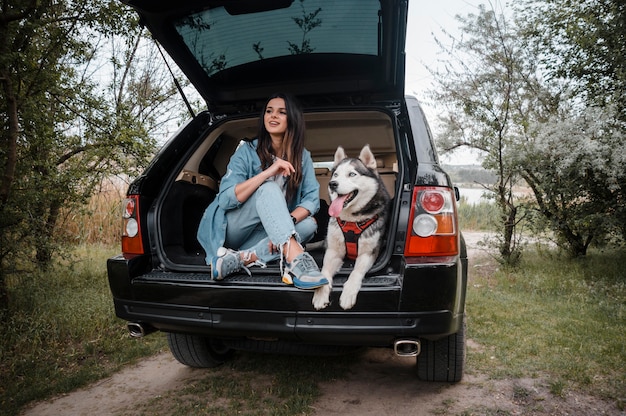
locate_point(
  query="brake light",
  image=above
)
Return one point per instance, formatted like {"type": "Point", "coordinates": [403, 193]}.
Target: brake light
{"type": "Point", "coordinates": [432, 201]}
{"type": "Point", "coordinates": [433, 229]}
{"type": "Point", "coordinates": [132, 242]}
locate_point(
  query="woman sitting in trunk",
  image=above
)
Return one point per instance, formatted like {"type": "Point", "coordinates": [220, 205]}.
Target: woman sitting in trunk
{"type": "Point", "coordinates": [266, 202]}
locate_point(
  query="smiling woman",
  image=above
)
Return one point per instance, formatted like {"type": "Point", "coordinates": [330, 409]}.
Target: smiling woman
{"type": "Point", "coordinates": [266, 202]}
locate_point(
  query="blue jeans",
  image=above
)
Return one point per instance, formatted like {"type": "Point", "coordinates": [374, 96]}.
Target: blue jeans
{"type": "Point", "coordinates": [262, 219]}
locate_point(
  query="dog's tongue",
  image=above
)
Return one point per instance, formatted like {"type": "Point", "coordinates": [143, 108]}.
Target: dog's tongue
{"type": "Point", "coordinates": [337, 205]}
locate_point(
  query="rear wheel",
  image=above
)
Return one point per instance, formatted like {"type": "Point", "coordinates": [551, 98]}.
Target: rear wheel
{"type": "Point", "coordinates": [443, 359]}
{"type": "Point", "coordinates": [197, 351]}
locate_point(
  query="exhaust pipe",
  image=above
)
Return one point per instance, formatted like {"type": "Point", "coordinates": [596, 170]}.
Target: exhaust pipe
{"type": "Point", "coordinates": [139, 329]}
{"type": "Point", "coordinates": [407, 347]}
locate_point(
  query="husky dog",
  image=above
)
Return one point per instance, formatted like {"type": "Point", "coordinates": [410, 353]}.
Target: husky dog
{"type": "Point", "coordinates": [358, 212]}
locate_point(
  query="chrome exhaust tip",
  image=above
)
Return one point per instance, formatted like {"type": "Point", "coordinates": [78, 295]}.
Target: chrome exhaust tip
{"type": "Point", "coordinates": [407, 347]}
{"type": "Point", "coordinates": [138, 329]}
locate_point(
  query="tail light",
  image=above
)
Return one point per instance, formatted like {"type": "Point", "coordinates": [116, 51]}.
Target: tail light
{"type": "Point", "coordinates": [131, 233]}
{"type": "Point", "coordinates": [433, 228]}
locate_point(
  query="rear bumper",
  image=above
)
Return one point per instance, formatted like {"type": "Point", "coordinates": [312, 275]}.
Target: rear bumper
{"type": "Point", "coordinates": [427, 301]}
{"type": "Point", "coordinates": [324, 328]}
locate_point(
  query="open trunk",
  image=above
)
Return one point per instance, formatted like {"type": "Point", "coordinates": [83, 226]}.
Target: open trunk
{"type": "Point", "coordinates": [195, 183]}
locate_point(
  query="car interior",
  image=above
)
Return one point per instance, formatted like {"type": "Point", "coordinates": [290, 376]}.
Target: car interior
{"type": "Point", "coordinates": [197, 182]}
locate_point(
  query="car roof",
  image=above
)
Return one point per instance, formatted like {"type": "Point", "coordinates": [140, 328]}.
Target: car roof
{"type": "Point", "coordinates": [237, 52]}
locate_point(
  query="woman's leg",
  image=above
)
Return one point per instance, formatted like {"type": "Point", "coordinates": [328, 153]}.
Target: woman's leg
{"type": "Point", "coordinates": [268, 206]}
{"type": "Point", "coordinates": [304, 231]}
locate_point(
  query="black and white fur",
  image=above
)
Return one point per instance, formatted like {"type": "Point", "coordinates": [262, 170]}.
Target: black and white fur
{"type": "Point", "coordinates": [367, 197]}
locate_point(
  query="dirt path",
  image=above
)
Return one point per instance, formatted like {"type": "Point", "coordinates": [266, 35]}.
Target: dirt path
{"type": "Point", "coordinates": [380, 384]}
{"type": "Point", "coordinates": [150, 378]}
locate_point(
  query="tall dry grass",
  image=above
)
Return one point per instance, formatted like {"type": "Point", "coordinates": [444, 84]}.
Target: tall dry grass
{"type": "Point", "coordinates": [98, 221]}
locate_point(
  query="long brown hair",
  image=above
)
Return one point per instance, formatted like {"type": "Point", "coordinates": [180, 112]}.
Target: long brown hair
{"type": "Point", "coordinates": [293, 142]}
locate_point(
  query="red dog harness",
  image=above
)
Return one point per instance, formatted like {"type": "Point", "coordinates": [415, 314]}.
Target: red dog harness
{"type": "Point", "coordinates": [351, 233]}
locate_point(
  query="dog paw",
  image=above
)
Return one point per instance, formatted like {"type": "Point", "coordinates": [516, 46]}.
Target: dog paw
{"type": "Point", "coordinates": [350, 291]}
{"type": "Point", "coordinates": [348, 298]}
{"type": "Point", "coordinates": [321, 297]}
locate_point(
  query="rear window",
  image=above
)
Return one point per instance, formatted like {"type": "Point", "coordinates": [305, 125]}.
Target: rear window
{"type": "Point", "coordinates": [222, 38]}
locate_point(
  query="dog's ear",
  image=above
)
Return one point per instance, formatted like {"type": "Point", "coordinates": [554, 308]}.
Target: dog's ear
{"type": "Point", "coordinates": [339, 156]}
{"type": "Point", "coordinates": [367, 157]}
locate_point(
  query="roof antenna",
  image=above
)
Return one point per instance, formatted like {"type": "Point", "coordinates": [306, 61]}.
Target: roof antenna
{"type": "Point", "coordinates": [180, 90]}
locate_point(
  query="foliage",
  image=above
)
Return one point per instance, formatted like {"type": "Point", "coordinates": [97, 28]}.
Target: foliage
{"type": "Point", "coordinates": [477, 217]}
{"type": "Point", "coordinates": [484, 86]}
{"type": "Point", "coordinates": [569, 312]}
{"type": "Point", "coordinates": [575, 165]}
{"type": "Point", "coordinates": [98, 221]}
{"type": "Point", "coordinates": [573, 158]}
{"type": "Point", "coordinates": [521, 92]}
{"type": "Point", "coordinates": [583, 45]}
{"type": "Point", "coordinates": [76, 108]}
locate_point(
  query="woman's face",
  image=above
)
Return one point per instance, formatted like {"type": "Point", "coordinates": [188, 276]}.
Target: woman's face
{"type": "Point", "coordinates": [275, 117]}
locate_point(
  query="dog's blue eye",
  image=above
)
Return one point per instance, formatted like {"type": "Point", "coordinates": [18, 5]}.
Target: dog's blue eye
{"type": "Point", "coordinates": [352, 174]}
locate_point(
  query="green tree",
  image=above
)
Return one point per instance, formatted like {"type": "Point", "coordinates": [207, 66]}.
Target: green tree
{"type": "Point", "coordinates": [502, 97]}
{"type": "Point", "coordinates": [61, 131]}
{"type": "Point", "coordinates": [583, 45]}
{"type": "Point", "coordinates": [574, 163]}
{"type": "Point", "coordinates": [488, 89]}
{"type": "Point", "coordinates": [581, 145]}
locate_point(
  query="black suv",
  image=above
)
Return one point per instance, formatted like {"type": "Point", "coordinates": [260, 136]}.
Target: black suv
{"type": "Point", "coordinates": [344, 60]}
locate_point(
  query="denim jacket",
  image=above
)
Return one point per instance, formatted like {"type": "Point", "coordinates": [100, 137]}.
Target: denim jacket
{"type": "Point", "coordinates": [243, 165]}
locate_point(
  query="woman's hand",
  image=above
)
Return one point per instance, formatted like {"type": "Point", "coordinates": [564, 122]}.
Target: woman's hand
{"type": "Point", "coordinates": [281, 167]}
{"type": "Point", "coordinates": [243, 190]}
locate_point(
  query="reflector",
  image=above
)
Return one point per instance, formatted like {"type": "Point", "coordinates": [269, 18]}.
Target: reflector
{"type": "Point", "coordinates": [424, 225]}
{"type": "Point", "coordinates": [131, 227]}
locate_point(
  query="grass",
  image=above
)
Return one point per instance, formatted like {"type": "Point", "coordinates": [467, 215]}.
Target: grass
{"type": "Point", "coordinates": [553, 317]}
{"type": "Point", "coordinates": [479, 217]}
{"type": "Point", "coordinates": [62, 332]}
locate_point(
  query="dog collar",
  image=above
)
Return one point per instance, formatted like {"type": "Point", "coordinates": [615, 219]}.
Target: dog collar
{"type": "Point", "coordinates": [351, 233]}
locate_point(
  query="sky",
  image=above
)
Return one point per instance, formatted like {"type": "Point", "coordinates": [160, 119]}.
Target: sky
{"type": "Point", "coordinates": [425, 19]}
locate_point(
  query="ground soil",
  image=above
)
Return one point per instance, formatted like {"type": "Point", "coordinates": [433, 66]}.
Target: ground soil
{"type": "Point", "coordinates": [380, 384]}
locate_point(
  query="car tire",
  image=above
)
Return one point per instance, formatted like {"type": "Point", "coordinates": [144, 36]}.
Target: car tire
{"type": "Point", "coordinates": [197, 351]}
{"type": "Point", "coordinates": [442, 359]}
